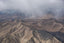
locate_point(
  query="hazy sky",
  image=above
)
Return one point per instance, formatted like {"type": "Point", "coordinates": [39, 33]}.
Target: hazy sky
{"type": "Point", "coordinates": [34, 7]}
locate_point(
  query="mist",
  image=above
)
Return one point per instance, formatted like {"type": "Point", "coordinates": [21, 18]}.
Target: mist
{"type": "Point", "coordinates": [35, 8]}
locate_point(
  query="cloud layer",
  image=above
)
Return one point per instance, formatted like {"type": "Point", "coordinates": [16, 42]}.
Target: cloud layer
{"type": "Point", "coordinates": [34, 7]}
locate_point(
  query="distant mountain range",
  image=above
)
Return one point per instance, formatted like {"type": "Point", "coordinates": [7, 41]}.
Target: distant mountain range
{"type": "Point", "coordinates": [15, 27]}
{"type": "Point", "coordinates": [11, 14]}
{"type": "Point", "coordinates": [16, 14]}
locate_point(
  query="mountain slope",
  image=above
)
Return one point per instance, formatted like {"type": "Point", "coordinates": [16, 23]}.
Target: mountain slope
{"type": "Point", "coordinates": [19, 32]}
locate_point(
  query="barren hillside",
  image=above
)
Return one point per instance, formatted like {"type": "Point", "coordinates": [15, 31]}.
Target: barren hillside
{"type": "Point", "coordinates": [31, 31]}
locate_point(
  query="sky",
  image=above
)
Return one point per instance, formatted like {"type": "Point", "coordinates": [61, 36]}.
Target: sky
{"type": "Point", "coordinates": [34, 7]}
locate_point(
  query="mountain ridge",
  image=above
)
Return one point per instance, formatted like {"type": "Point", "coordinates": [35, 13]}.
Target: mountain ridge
{"type": "Point", "coordinates": [20, 32]}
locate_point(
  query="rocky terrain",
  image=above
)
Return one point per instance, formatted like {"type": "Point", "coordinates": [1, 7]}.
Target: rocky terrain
{"type": "Point", "coordinates": [32, 31]}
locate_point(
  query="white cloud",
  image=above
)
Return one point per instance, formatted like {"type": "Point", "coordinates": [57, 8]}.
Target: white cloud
{"type": "Point", "coordinates": [35, 7]}
{"type": "Point", "coordinates": [2, 6]}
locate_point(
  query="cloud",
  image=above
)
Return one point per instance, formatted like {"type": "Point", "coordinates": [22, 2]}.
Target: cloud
{"type": "Point", "coordinates": [34, 7]}
{"type": "Point", "coordinates": [2, 5]}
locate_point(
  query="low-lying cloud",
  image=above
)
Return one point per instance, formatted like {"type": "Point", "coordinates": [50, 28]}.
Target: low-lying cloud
{"type": "Point", "coordinates": [34, 7]}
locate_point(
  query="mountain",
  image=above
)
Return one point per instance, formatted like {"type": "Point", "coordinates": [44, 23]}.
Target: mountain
{"type": "Point", "coordinates": [11, 14]}
{"type": "Point", "coordinates": [29, 31]}
{"type": "Point", "coordinates": [16, 27]}
{"type": "Point", "coordinates": [53, 26]}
